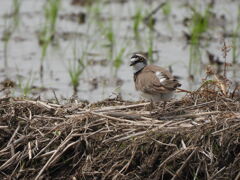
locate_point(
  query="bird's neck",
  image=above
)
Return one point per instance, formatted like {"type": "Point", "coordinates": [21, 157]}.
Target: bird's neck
{"type": "Point", "coordinates": [138, 67]}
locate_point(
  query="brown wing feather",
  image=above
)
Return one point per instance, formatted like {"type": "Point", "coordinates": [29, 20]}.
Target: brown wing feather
{"type": "Point", "coordinates": [154, 69]}
{"type": "Point", "coordinates": [148, 82]}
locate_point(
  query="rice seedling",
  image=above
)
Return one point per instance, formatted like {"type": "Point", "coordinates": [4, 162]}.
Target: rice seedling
{"type": "Point", "coordinates": [75, 69]}
{"type": "Point", "coordinates": [137, 19]}
{"type": "Point", "coordinates": [199, 25]}
{"type": "Point", "coordinates": [47, 32]}
{"type": "Point", "coordinates": [107, 31]}
{"type": "Point", "coordinates": [25, 86]}
{"type": "Point", "coordinates": [150, 45]}
{"type": "Point", "coordinates": [10, 27]}
{"type": "Point", "coordinates": [16, 12]}
{"type": "Point", "coordinates": [7, 33]}
{"type": "Point", "coordinates": [105, 26]}
{"type": "Point", "coordinates": [235, 39]}
{"type": "Point", "coordinates": [94, 10]}
{"type": "Point", "coordinates": [118, 60]}
{"type": "Point", "coordinates": [110, 36]}
{"type": "Point", "coordinates": [166, 9]}
{"type": "Point", "coordinates": [194, 59]}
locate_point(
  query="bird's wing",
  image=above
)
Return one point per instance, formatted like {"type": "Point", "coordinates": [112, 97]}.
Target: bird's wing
{"type": "Point", "coordinates": [155, 80]}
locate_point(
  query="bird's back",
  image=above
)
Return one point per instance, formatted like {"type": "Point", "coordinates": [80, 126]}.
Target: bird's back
{"type": "Point", "coordinates": [155, 80]}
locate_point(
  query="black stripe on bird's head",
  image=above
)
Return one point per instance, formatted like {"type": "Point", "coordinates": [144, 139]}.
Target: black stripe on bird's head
{"type": "Point", "coordinates": [138, 58]}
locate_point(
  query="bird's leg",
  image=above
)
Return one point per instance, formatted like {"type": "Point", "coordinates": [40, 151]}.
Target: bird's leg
{"type": "Point", "coordinates": [162, 110]}
{"type": "Point", "coordinates": [150, 107]}
{"type": "Point", "coordinates": [164, 105]}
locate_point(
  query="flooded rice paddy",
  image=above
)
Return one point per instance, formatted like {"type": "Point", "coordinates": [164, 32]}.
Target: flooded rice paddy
{"type": "Point", "coordinates": [58, 47]}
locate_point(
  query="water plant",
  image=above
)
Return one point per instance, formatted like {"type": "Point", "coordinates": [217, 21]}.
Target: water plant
{"type": "Point", "coordinates": [104, 26]}
{"type": "Point", "coordinates": [7, 33]}
{"type": "Point", "coordinates": [47, 32]}
{"type": "Point", "coordinates": [25, 86]}
{"type": "Point", "coordinates": [194, 59]}
{"type": "Point", "coordinates": [199, 25]}
{"type": "Point", "coordinates": [235, 39]}
{"type": "Point", "coordinates": [150, 45]}
{"type": "Point", "coordinates": [110, 36]}
{"type": "Point", "coordinates": [10, 25]}
{"type": "Point", "coordinates": [118, 60]}
{"type": "Point", "coordinates": [75, 69]}
{"type": "Point", "coordinates": [137, 19]}
{"type": "Point", "coordinates": [16, 12]}
{"type": "Point", "coordinates": [166, 8]}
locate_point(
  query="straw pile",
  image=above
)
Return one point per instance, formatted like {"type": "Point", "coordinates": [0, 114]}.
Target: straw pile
{"type": "Point", "coordinates": [196, 137]}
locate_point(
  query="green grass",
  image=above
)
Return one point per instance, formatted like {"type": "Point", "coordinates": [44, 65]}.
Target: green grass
{"type": "Point", "coordinates": [46, 35]}
{"type": "Point", "coordinates": [235, 39]}
{"type": "Point", "coordinates": [76, 68]}
{"type": "Point", "coordinates": [166, 9]}
{"type": "Point", "coordinates": [199, 25]}
{"type": "Point", "coordinates": [109, 35]}
{"type": "Point", "coordinates": [94, 11]}
{"type": "Point", "coordinates": [103, 26]}
{"type": "Point", "coordinates": [25, 86]}
{"type": "Point", "coordinates": [10, 26]}
{"type": "Point", "coordinates": [137, 20]}
{"type": "Point", "coordinates": [150, 45]}
{"type": "Point", "coordinates": [16, 12]}
{"type": "Point", "coordinates": [194, 59]}
{"type": "Point", "coordinates": [7, 34]}
{"type": "Point", "coordinates": [118, 61]}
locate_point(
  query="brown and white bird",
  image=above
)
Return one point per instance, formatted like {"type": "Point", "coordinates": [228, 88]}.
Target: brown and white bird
{"type": "Point", "coordinates": [155, 83]}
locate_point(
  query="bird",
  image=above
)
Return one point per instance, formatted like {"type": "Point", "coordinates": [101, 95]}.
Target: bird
{"type": "Point", "coordinates": [153, 82]}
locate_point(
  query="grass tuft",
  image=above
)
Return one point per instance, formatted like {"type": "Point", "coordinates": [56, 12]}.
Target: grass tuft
{"type": "Point", "coordinates": [47, 32]}
{"type": "Point", "coordinates": [10, 27]}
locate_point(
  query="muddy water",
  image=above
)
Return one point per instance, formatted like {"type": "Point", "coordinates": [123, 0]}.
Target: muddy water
{"type": "Point", "coordinates": [100, 80]}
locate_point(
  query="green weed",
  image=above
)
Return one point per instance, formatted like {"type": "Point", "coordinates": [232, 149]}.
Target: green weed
{"type": "Point", "coordinates": [235, 39]}
{"type": "Point", "coordinates": [110, 37]}
{"type": "Point", "coordinates": [47, 32]}
{"type": "Point", "coordinates": [10, 26]}
{"type": "Point", "coordinates": [118, 61]}
{"type": "Point", "coordinates": [199, 25]}
{"type": "Point", "coordinates": [75, 69]}
{"type": "Point", "coordinates": [137, 20]}
{"type": "Point", "coordinates": [150, 45]}
{"type": "Point", "coordinates": [26, 87]}
{"type": "Point", "coordinates": [194, 59]}
{"type": "Point", "coordinates": [166, 9]}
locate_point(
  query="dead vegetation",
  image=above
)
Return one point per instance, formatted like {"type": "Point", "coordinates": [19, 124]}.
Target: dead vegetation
{"type": "Point", "coordinates": [196, 137]}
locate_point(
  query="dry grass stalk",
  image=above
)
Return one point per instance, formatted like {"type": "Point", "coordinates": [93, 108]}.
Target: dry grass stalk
{"type": "Point", "coordinates": [196, 137]}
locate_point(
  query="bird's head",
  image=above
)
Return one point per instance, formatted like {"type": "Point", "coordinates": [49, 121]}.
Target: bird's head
{"type": "Point", "coordinates": [138, 58]}
{"type": "Point", "coordinates": [138, 61]}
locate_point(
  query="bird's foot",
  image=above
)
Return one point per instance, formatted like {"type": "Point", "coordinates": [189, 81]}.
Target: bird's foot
{"type": "Point", "coordinates": [150, 107]}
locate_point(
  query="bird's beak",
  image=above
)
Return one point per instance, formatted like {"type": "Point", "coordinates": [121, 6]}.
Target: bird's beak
{"type": "Point", "coordinates": [132, 62]}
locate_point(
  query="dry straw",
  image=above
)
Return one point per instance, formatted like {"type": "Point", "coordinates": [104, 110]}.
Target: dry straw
{"type": "Point", "coordinates": [196, 137]}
